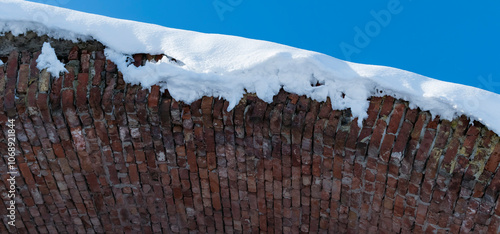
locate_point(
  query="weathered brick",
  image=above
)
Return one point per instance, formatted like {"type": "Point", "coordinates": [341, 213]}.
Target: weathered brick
{"type": "Point", "coordinates": [81, 91]}
{"type": "Point", "coordinates": [154, 96]}
{"type": "Point", "coordinates": [135, 161]}
{"type": "Point", "coordinates": [493, 160]}
{"type": "Point", "coordinates": [22, 83]}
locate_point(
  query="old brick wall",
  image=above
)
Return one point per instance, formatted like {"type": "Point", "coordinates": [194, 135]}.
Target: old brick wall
{"type": "Point", "coordinates": [98, 155]}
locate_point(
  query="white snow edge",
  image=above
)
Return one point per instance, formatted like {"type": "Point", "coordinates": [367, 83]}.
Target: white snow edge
{"type": "Point", "coordinates": [226, 66]}
{"type": "Point", "coordinates": [48, 60]}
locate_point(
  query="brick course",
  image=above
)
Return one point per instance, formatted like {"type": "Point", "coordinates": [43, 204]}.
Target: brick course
{"type": "Point", "coordinates": [99, 155]}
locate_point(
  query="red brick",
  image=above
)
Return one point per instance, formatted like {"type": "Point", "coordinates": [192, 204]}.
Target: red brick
{"type": "Point", "coordinates": [396, 116]}
{"type": "Point", "coordinates": [22, 83]}
{"type": "Point", "coordinates": [98, 68]}
{"type": "Point", "coordinates": [81, 91]}
{"type": "Point", "coordinates": [451, 152]}
{"type": "Point", "coordinates": [58, 150]}
{"type": "Point", "coordinates": [425, 145]}
{"type": "Point", "coordinates": [93, 182]}
{"type": "Point", "coordinates": [278, 167]}
{"type": "Point", "coordinates": [78, 138]}
{"type": "Point", "coordinates": [110, 66]}
{"type": "Point", "coordinates": [387, 106]}
{"type": "Point", "coordinates": [386, 146]}
{"type": "Point", "coordinates": [85, 62]}
{"type": "Point", "coordinates": [373, 110]}
{"type": "Point", "coordinates": [73, 54]}
{"type": "Point", "coordinates": [26, 173]}
{"type": "Point", "coordinates": [376, 138]}
{"type": "Point", "coordinates": [154, 96]}
{"type": "Point", "coordinates": [353, 135]}
{"type": "Point", "coordinates": [493, 160]}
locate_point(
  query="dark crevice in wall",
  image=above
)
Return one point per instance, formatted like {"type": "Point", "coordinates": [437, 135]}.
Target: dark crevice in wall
{"type": "Point", "coordinates": [32, 42]}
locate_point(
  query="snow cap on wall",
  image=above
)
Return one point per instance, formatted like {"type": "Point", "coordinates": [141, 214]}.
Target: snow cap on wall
{"type": "Point", "coordinates": [226, 66]}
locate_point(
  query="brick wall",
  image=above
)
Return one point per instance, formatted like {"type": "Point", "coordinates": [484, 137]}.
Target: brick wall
{"type": "Point", "coordinates": [99, 155]}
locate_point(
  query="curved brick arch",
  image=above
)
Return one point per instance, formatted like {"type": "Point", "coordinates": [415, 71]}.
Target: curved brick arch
{"type": "Point", "coordinates": [97, 154]}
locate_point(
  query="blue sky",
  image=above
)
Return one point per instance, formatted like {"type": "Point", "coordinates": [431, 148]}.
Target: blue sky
{"type": "Point", "coordinates": [455, 41]}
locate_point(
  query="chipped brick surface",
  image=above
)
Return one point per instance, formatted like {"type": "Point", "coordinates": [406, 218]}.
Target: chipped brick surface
{"type": "Point", "coordinates": [97, 155]}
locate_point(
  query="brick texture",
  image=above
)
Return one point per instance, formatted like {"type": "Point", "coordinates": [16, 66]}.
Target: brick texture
{"type": "Point", "coordinates": [97, 155]}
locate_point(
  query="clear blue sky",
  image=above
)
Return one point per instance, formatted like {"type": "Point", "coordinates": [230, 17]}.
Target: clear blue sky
{"type": "Point", "coordinates": [456, 41]}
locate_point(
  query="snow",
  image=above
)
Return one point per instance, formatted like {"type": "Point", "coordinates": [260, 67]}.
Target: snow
{"type": "Point", "coordinates": [48, 60]}
{"type": "Point", "coordinates": [226, 66]}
